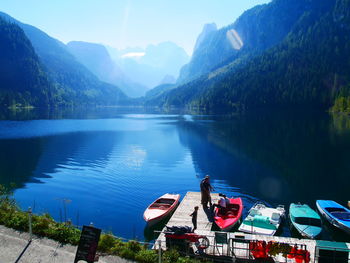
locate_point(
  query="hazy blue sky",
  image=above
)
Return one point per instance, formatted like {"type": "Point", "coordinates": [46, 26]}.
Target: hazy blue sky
{"type": "Point", "coordinates": [127, 23]}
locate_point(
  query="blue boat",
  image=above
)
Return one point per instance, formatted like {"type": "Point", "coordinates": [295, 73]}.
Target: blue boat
{"type": "Point", "coordinates": [305, 220]}
{"type": "Point", "coordinates": [336, 214]}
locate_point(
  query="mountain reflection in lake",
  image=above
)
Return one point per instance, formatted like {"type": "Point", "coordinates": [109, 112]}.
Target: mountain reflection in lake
{"type": "Point", "coordinates": [106, 168]}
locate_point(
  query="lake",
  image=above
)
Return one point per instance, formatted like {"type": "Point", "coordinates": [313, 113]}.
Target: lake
{"type": "Point", "coordinates": [107, 165]}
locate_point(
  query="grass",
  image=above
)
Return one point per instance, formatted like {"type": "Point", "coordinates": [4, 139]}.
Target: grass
{"type": "Point", "coordinates": [44, 225]}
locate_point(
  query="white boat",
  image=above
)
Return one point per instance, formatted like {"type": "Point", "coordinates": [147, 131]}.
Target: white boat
{"type": "Point", "coordinates": [262, 220]}
{"type": "Point", "coordinates": [161, 208]}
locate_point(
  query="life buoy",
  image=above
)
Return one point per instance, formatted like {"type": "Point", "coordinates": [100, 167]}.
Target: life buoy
{"type": "Point", "coordinates": [202, 243]}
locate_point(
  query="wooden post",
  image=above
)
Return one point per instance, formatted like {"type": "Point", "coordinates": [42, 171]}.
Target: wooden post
{"type": "Point", "coordinates": [160, 251]}
{"type": "Point", "coordinates": [349, 204]}
{"type": "Point", "coordinates": [30, 223]}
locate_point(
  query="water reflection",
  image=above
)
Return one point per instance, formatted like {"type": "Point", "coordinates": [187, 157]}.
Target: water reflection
{"type": "Point", "coordinates": [278, 158]}
{"type": "Point", "coordinates": [113, 167]}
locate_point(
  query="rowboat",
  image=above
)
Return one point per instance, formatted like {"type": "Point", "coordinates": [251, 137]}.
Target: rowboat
{"type": "Point", "coordinates": [336, 214]}
{"type": "Point", "coordinates": [305, 220]}
{"type": "Point", "coordinates": [161, 208]}
{"type": "Point", "coordinates": [226, 219]}
{"type": "Point", "coordinates": [262, 220]}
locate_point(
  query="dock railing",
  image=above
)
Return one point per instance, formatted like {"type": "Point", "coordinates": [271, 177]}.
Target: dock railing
{"type": "Point", "coordinates": [221, 248]}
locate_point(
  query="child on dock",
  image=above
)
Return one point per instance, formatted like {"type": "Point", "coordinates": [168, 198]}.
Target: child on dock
{"type": "Point", "coordinates": [194, 218]}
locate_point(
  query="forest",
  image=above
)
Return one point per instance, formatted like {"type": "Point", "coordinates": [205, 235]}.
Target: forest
{"type": "Point", "coordinates": [308, 69]}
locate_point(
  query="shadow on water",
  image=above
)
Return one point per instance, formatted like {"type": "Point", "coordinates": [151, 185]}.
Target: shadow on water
{"type": "Point", "coordinates": [32, 159]}
{"type": "Point", "coordinates": [278, 158]}
{"type": "Point", "coordinates": [17, 159]}
{"type": "Point", "coordinates": [330, 232]}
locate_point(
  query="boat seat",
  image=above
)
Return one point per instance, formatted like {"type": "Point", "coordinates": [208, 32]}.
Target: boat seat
{"type": "Point", "coordinates": [341, 215]}
{"type": "Point", "coordinates": [233, 206]}
{"type": "Point", "coordinates": [275, 218]}
{"type": "Point", "coordinates": [160, 206]}
{"type": "Point", "coordinates": [260, 218]}
{"type": "Point", "coordinates": [254, 212]}
{"type": "Point", "coordinates": [230, 215]}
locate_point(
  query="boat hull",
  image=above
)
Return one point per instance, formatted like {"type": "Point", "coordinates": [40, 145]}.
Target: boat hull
{"type": "Point", "coordinates": [234, 213]}
{"type": "Point", "coordinates": [262, 220]}
{"type": "Point", "coordinates": [309, 225]}
{"type": "Point", "coordinates": [324, 206]}
{"type": "Point", "coordinates": [161, 208]}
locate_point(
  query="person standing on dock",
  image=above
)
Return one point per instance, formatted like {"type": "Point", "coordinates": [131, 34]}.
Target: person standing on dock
{"type": "Point", "coordinates": [206, 188]}
{"type": "Point", "coordinates": [194, 218]}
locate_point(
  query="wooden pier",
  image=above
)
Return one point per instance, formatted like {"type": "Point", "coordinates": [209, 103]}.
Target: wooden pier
{"type": "Point", "coordinates": [235, 245]}
{"type": "Point", "coordinates": [182, 217]}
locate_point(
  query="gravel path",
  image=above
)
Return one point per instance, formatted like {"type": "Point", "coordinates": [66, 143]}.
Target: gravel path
{"type": "Point", "coordinates": [15, 248]}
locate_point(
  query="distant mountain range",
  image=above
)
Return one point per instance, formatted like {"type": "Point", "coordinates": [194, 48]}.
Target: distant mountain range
{"type": "Point", "coordinates": [284, 54]}
{"type": "Point", "coordinates": [96, 58]}
{"type": "Point", "coordinates": [78, 73]}
{"type": "Point", "coordinates": [64, 80]}
{"type": "Point", "coordinates": [151, 65]}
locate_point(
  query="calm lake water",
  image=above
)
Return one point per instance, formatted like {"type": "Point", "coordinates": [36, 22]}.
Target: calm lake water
{"type": "Point", "coordinates": [106, 166]}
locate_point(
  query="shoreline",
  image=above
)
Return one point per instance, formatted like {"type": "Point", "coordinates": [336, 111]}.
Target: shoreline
{"type": "Point", "coordinates": [15, 247]}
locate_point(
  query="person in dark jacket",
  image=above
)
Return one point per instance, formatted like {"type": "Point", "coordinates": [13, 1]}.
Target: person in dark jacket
{"type": "Point", "coordinates": [206, 188]}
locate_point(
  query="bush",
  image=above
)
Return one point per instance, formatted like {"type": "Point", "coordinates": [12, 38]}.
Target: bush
{"type": "Point", "coordinates": [128, 254]}
{"type": "Point", "coordinates": [64, 234]}
{"type": "Point", "coordinates": [18, 220]}
{"type": "Point", "coordinates": [134, 246]}
{"type": "Point", "coordinates": [118, 247]}
{"type": "Point", "coordinates": [170, 256]}
{"type": "Point", "coordinates": [146, 256]}
{"type": "Point", "coordinates": [42, 224]}
{"type": "Point", "coordinates": [106, 243]}
{"type": "Point", "coordinates": [187, 260]}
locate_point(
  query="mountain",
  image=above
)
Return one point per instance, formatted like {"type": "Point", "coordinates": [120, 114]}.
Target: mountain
{"type": "Point", "coordinates": [166, 56]}
{"type": "Point", "coordinates": [255, 31]}
{"type": "Point", "coordinates": [153, 95]}
{"type": "Point", "coordinates": [97, 59]}
{"type": "Point", "coordinates": [207, 29]}
{"type": "Point", "coordinates": [75, 84]}
{"type": "Point", "coordinates": [168, 79]}
{"type": "Point", "coordinates": [149, 66]}
{"type": "Point", "coordinates": [22, 77]}
{"type": "Point", "coordinates": [309, 67]}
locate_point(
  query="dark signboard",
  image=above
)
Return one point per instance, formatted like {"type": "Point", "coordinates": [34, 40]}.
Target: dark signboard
{"type": "Point", "coordinates": [88, 244]}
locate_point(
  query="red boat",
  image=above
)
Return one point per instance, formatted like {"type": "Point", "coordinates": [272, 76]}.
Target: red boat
{"type": "Point", "coordinates": [226, 218]}
{"type": "Point", "coordinates": [161, 208]}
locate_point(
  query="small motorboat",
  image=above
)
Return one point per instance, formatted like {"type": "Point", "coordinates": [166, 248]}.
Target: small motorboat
{"type": "Point", "coordinates": [262, 220]}
{"type": "Point", "coordinates": [161, 208]}
{"type": "Point", "coordinates": [227, 218]}
{"type": "Point", "coordinates": [336, 214]}
{"type": "Point", "coordinates": [305, 220]}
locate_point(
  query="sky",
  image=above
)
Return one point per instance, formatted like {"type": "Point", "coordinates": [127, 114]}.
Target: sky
{"type": "Point", "coordinates": [127, 23]}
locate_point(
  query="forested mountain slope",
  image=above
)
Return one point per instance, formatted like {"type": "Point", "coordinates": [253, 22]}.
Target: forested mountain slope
{"type": "Point", "coordinates": [74, 83]}
{"type": "Point", "coordinates": [254, 31]}
{"type": "Point", "coordinates": [309, 68]}
{"type": "Point", "coordinates": [23, 81]}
